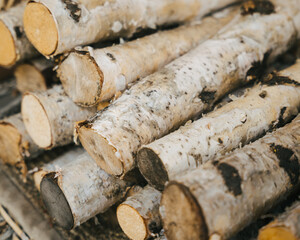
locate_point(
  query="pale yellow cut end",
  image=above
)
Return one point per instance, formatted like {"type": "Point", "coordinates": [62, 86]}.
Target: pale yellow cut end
{"type": "Point", "coordinates": [276, 233]}
{"type": "Point", "coordinates": [10, 140]}
{"type": "Point", "coordinates": [40, 28]}
{"type": "Point", "coordinates": [36, 121]}
{"type": "Point", "coordinates": [38, 177]}
{"type": "Point", "coordinates": [8, 55]}
{"type": "Point", "coordinates": [131, 222]}
{"type": "Point", "coordinates": [81, 79]}
{"type": "Point", "coordinates": [101, 151]}
{"type": "Point", "coordinates": [29, 79]}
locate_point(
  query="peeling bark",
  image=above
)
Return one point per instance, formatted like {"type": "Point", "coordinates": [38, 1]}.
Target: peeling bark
{"type": "Point", "coordinates": [14, 45]}
{"type": "Point", "coordinates": [183, 89]}
{"type": "Point", "coordinates": [16, 144]}
{"type": "Point", "coordinates": [91, 75]}
{"type": "Point", "coordinates": [35, 75]}
{"type": "Point", "coordinates": [223, 196]}
{"type": "Point", "coordinates": [79, 191]}
{"type": "Point", "coordinates": [73, 23]}
{"type": "Point", "coordinates": [50, 116]}
{"type": "Point", "coordinates": [237, 123]}
{"type": "Point", "coordinates": [285, 227]}
{"type": "Point", "coordinates": [138, 216]}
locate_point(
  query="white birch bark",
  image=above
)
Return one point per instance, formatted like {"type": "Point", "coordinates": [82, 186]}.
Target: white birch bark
{"type": "Point", "coordinates": [218, 199]}
{"type": "Point", "coordinates": [91, 75]}
{"type": "Point", "coordinates": [14, 45]}
{"type": "Point", "coordinates": [286, 226]}
{"type": "Point", "coordinates": [15, 143]}
{"type": "Point", "coordinates": [235, 124]}
{"type": "Point", "coordinates": [79, 191]}
{"type": "Point", "coordinates": [138, 216]}
{"type": "Point", "coordinates": [35, 75]}
{"type": "Point", "coordinates": [74, 23]}
{"type": "Point", "coordinates": [50, 116]}
{"type": "Point", "coordinates": [182, 90]}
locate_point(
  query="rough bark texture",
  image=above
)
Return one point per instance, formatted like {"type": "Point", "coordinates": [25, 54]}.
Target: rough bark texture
{"type": "Point", "coordinates": [35, 75]}
{"type": "Point", "coordinates": [50, 116]}
{"type": "Point", "coordinates": [91, 75]}
{"type": "Point", "coordinates": [79, 23]}
{"type": "Point", "coordinates": [79, 191]}
{"type": "Point", "coordinates": [231, 126]}
{"type": "Point", "coordinates": [6, 4]}
{"type": "Point", "coordinates": [182, 90]}
{"type": "Point", "coordinates": [139, 216]}
{"type": "Point", "coordinates": [220, 198]}
{"type": "Point", "coordinates": [14, 45]}
{"type": "Point", "coordinates": [285, 227]}
{"type": "Point", "coordinates": [15, 143]}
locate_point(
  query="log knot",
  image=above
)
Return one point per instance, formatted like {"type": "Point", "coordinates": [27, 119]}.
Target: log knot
{"type": "Point", "coordinates": [257, 6]}
{"type": "Point", "coordinates": [231, 177]}
{"type": "Point", "coordinates": [75, 11]}
{"type": "Point", "coordinates": [288, 161]}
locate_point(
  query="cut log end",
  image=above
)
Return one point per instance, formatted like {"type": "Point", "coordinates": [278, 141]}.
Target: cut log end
{"type": "Point", "coordinates": [40, 28]}
{"type": "Point", "coordinates": [179, 206]}
{"type": "Point", "coordinates": [10, 139]}
{"type": "Point", "coordinates": [81, 78]}
{"type": "Point", "coordinates": [101, 151]}
{"type": "Point", "coordinates": [152, 168]}
{"type": "Point", "coordinates": [8, 54]}
{"type": "Point", "coordinates": [36, 121]}
{"type": "Point", "coordinates": [131, 222]}
{"type": "Point", "coordinates": [276, 233]}
{"type": "Point", "coordinates": [29, 79]}
{"type": "Point", "coordinates": [56, 203]}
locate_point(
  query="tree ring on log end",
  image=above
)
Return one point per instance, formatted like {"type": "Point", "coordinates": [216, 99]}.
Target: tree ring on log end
{"type": "Point", "coordinates": [131, 222]}
{"type": "Point", "coordinates": [8, 55]}
{"type": "Point", "coordinates": [56, 203]}
{"type": "Point", "coordinates": [181, 214]}
{"type": "Point", "coordinates": [152, 168]}
{"type": "Point", "coordinates": [40, 27]}
{"type": "Point", "coordinates": [36, 121]}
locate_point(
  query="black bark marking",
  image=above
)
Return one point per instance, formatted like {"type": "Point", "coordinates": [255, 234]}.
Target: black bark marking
{"type": "Point", "coordinates": [263, 94]}
{"type": "Point", "coordinates": [111, 56]}
{"type": "Point", "coordinates": [220, 140]}
{"type": "Point", "coordinates": [207, 96]}
{"type": "Point", "coordinates": [280, 118]}
{"type": "Point", "coordinates": [231, 178]}
{"type": "Point", "coordinates": [288, 161]}
{"type": "Point", "coordinates": [258, 69]}
{"type": "Point", "coordinates": [18, 31]}
{"type": "Point", "coordinates": [75, 11]}
{"type": "Point", "coordinates": [263, 7]}
{"type": "Point", "coordinates": [274, 79]}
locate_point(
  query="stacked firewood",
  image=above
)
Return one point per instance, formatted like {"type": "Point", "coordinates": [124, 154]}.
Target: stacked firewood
{"type": "Point", "coordinates": [188, 129]}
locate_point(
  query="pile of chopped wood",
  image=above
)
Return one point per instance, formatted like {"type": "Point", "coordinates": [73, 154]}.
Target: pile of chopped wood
{"type": "Point", "coordinates": [185, 113]}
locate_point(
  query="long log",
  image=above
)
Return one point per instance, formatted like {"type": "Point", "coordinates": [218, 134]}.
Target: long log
{"type": "Point", "coordinates": [70, 24]}
{"type": "Point", "coordinates": [285, 227]}
{"type": "Point", "coordinates": [138, 216]}
{"type": "Point", "coordinates": [218, 199]}
{"type": "Point", "coordinates": [91, 75]}
{"type": "Point", "coordinates": [183, 89]}
{"type": "Point", "coordinates": [35, 75]}
{"type": "Point", "coordinates": [235, 124]}
{"type": "Point", "coordinates": [49, 117]}
{"type": "Point", "coordinates": [15, 143]}
{"type": "Point", "coordinates": [14, 45]}
{"type": "Point", "coordinates": [79, 191]}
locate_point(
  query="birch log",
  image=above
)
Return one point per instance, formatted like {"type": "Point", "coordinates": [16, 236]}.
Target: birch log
{"type": "Point", "coordinates": [285, 227]}
{"type": "Point", "coordinates": [6, 4]}
{"type": "Point", "coordinates": [139, 216]}
{"type": "Point", "coordinates": [50, 116]}
{"type": "Point", "coordinates": [14, 45]}
{"type": "Point", "coordinates": [235, 124]}
{"type": "Point", "coordinates": [15, 143]}
{"type": "Point", "coordinates": [182, 90]}
{"type": "Point", "coordinates": [218, 199]}
{"type": "Point", "coordinates": [72, 23]}
{"type": "Point", "coordinates": [35, 75]}
{"type": "Point", "coordinates": [92, 75]}
{"type": "Point", "coordinates": [80, 191]}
